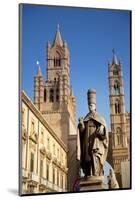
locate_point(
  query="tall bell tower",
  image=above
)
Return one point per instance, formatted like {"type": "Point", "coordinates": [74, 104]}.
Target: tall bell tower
{"type": "Point", "coordinates": [117, 116]}
{"type": "Point", "coordinates": [54, 98]}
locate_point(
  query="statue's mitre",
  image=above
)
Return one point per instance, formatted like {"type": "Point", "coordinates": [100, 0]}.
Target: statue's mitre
{"type": "Point", "coordinates": [91, 94]}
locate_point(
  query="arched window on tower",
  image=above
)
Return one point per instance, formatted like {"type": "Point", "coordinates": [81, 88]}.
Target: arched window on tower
{"type": "Point", "coordinates": [57, 94]}
{"type": "Point", "coordinates": [116, 87]}
{"type": "Point", "coordinates": [45, 95]}
{"type": "Point", "coordinates": [117, 107]}
{"type": "Point", "coordinates": [119, 136]}
{"type": "Point", "coordinates": [115, 72]}
{"type": "Point", "coordinates": [57, 60]}
{"type": "Point", "coordinates": [51, 96]}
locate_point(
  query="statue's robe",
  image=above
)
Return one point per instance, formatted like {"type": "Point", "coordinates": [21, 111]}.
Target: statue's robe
{"type": "Point", "coordinates": [89, 144]}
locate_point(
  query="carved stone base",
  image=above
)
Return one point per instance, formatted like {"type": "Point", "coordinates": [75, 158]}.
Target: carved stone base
{"type": "Point", "coordinates": [92, 183]}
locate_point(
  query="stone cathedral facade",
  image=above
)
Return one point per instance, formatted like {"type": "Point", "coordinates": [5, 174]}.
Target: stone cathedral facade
{"type": "Point", "coordinates": [120, 119]}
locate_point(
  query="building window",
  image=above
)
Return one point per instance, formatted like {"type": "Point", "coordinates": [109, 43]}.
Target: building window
{"type": "Point", "coordinates": [57, 62]}
{"type": "Point", "coordinates": [23, 112]}
{"type": "Point", "coordinates": [65, 183]}
{"type": "Point", "coordinates": [53, 175]}
{"type": "Point", "coordinates": [32, 162]}
{"type": "Point", "coordinates": [58, 153]}
{"type": "Point", "coordinates": [47, 172]}
{"type": "Point", "coordinates": [118, 130]}
{"type": "Point", "coordinates": [57, 177]}
{"type": "Point", "coordinates": [57, 94]}
{"type": "Point", "coordinates": [65, 161]}
{"type": "Point", "coordinates": [53, 149]}
{"type": "Point", "coordinates": [51, 95]}
{"type": "Point", "coordinates": [32, 126]}
{"type": "Point", "coordinates": [42, 137]}
{"type": "Point", "coordinates": [45, 95]}
{"type": "Point", "coordinates": [115, 72]}
{"type": "Point", "coordinates": [48, 143]}
{"type": "Point", "coordinates": [41, 168]}
{"type": "Point", "coordinates": [23, 154]}
{"type": "Point", "coordinates": [116, 87]}
{"type": "Point", "coordinates": [61, 181]}
{"type": "Point", "coordinates": [117, 107]}
{"type": "Point", "coordinates": [62, 158]}
{"type": "Point", "coordinates": [118, 140]}
{"type": "Point", "coordinates": [119, 136]}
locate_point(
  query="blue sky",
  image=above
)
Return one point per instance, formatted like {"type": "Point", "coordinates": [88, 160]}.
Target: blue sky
{"type": "Point", "coordinates": [91, 34]}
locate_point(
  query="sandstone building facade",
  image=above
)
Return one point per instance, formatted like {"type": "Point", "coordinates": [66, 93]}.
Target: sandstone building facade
{"type": "Point", "coordinates": [55, 101]}
{"type": "Point", "coordinates": [43, 154]}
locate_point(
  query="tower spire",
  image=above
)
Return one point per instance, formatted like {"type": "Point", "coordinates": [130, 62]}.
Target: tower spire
{"type": "Point", "coordinates": [58, 40]}
{"type": "Point", "coordinates": [114, 60]}
{"type": "Point", "coordinates": [39, 70]}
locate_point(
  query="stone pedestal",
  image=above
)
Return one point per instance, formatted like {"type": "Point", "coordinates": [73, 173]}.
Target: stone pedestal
{"type": "Point", "coordinates": [92, 183]}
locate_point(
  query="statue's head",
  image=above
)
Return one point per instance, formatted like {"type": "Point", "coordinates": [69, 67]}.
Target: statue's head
{"type": "Point", "coordinates": [91, 94]}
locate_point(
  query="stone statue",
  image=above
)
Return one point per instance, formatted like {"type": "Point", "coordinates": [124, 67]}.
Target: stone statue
{"type": "Point", "coordinates": [92, 139]}
{"type": "Point", "coordinates": [112, 182]}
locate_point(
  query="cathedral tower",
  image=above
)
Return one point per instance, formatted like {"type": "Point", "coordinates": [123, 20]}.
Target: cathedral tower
{"type": "Point", "coordinates": [55, 99]}
{"type": "Point", "coordinates": [118, 116]}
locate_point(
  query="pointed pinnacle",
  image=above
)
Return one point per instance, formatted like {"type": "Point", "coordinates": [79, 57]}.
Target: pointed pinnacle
{"type": "Point", "coordinates": [39, 70]}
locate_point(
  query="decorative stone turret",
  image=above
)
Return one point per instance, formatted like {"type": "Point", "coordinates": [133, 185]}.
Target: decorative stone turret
{"type": "Point", "coordinates": [38, 88]}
